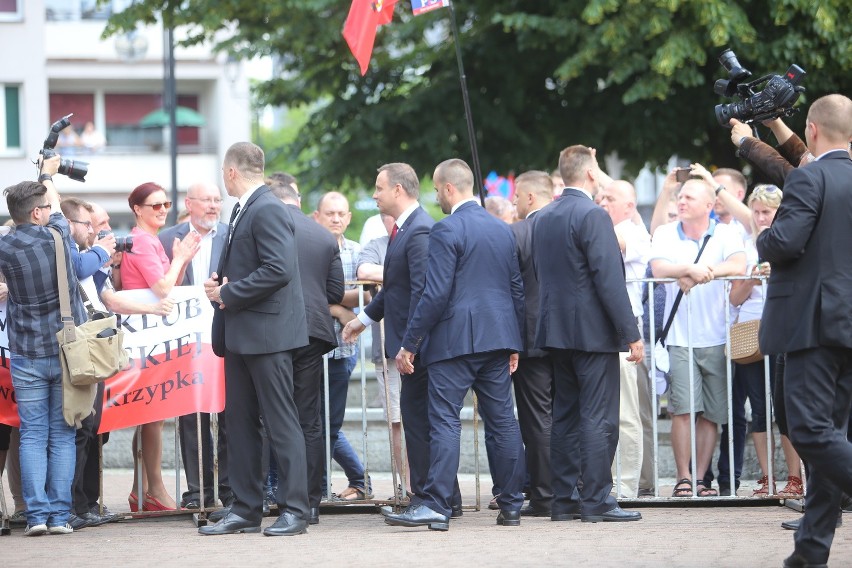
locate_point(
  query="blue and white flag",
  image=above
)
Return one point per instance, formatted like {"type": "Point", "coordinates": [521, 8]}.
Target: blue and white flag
{"type": "Point", "coordinates": [422, 6]}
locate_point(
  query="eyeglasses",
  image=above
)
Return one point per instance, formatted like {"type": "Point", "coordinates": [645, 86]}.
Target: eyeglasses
{"type": "Point", "coordinates": [158, 206]}
{"type": "Point", "coordinates": [47, 206]}
{"type": "Point", "coordinates": [88, 224]}
{"type": "Point", "coordinates": [207, 200]}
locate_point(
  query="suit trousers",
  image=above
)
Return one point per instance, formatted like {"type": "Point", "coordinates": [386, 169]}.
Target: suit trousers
{"type": "Point", "coordinates": [413, 392]}
{"type": "Point", "coordinates": [307, 388]}
{"type": "Point", "coordinates": [818, 398]}
{"type": "Point", "coordinates": [258, 385]}
{"type": "Point", "coordinates": [627, 466]}
{"type": "Point", "coordinates": [189, 442]}
{"type": "Point", "coordinates": [449, 381]}
{"type": "Point", "coordinates": [86, 487]}
{"type": "Point", "coordinates": [585, 430]}
{"type": "Point", "coordinates": [533, 382]}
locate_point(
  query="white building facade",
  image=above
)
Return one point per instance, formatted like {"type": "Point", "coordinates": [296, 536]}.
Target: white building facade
{"type": "Point", "coordinates": [53, 62]}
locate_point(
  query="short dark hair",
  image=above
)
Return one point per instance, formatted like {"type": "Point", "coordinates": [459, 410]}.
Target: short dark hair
{"type": "Point", "coordinates": [404, 175]}
{"type": "Point", "coordinates": [282, 177]}
{"type": "Point", "coordinates": [22, 198]}
{"type": "Point", "coordinates": [283, 191]}
{"type": "Point", "coordinates": [141, 192]}
{"type": "Point", "coordinates": [573, 163]}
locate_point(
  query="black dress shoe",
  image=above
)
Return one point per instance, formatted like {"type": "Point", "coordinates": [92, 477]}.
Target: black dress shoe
{"type": "Point", "coordinates": [565, 514]}
{"type": "Point", "coordinates": [191, 504]}
{"type": "Point", "coordinates": [287, 524]}
{"type": "Point", "coordinates": [533, 511]}
{"type": "Point", "coordinates": [231, 524]}
{"type": "Point", "coordinates": [218, 515]}
{"type": "Point", "coordinates": [313, 516]}
{"type": "Point", "coordinates": [614, 515]}
{"type": "Point", "coordinates": [794, 524]}
{"type": "Point", "coordinates": [796, 560]}
{"type": "Point", "coordinates": [509, 518]}
{"type": "Point", "coordinates": [417, 516]}
{"type": "Point", "coordinates": [456, 511]}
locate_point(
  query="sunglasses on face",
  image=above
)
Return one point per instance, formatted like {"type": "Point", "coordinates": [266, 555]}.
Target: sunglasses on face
{"type": "Point", "coordinates": [158, 206]}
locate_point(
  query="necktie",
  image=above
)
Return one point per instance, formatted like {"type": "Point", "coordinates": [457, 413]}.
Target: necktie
{"type": "Point", "coordinates": [234, 214]}
{"type": "Point", "coordinates": [393, 232]}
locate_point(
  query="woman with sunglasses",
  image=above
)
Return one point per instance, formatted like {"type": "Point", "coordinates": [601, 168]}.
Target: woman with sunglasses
{"type": "Point", "coordinates": [148, 266]}
{"type": "Point", "coordinates": [748, 296]}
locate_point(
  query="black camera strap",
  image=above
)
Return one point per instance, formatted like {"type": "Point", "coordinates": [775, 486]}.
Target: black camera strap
{"type": "Point", "coordinates": [679, 297]}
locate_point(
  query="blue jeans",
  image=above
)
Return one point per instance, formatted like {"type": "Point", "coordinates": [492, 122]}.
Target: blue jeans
{"type": "Point", "coordinates": [47, 450]}
{"type": "Point", "coordinates": [339, 372]}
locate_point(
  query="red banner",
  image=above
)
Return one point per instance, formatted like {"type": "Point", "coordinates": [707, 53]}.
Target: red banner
{"type": "Point", "coordinates": [172, 369]}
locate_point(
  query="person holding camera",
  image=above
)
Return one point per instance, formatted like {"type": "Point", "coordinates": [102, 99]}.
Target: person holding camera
{"type": "Point", "coordinates": [28, 262]}
{"type": "Point", "coordinates": [148, 266]}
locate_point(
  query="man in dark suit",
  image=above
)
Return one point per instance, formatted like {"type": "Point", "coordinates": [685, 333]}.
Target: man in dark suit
{"type": "Point", "coordinates": [259, 322]}
{"type": "Point", "coordinates": [585, 321]}
{"type": "Point", "coordinates": [322, 284]}
{"type": "Point", "coordinates": [467, 328]}
{"type": "Point", "coordinates": [812, 278]}
{"type": "Point", "coordinates": [204, 204]}
{"type": "Point", "coordinates": [533, 381]}
{"type": "Point", "coordinates": [397, 193]}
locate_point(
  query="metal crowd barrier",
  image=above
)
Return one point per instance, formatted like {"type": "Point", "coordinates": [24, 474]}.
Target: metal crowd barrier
{"type": "Point", "coordinates": [770, 447]}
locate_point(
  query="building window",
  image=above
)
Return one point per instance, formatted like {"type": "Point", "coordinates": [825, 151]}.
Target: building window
{"type": "Point", "coordinates": [63, 10]}
{"type": "Point", "coordinates": [10, 119]}
{"type": "Point", "coordinates": [11, 10]}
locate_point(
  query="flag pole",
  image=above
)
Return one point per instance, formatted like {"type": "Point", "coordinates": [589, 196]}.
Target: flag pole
{"type": "Point", "coordinates": [471, 133]}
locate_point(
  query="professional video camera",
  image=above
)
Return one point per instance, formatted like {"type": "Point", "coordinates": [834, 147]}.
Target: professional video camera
{"type": "Point", "coordinates": [776, 99]}
{"type": "Point", "coordinates": [76, 170]}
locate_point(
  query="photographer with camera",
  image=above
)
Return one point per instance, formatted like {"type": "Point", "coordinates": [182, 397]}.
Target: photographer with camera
{"type": "Point", "coordinates": [28, 262]}
{"type": "Point", "coordinates": [774, 163]}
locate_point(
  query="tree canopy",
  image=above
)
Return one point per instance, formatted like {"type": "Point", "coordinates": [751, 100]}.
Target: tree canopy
{"type": "Point", "coordinates": [631, 76]}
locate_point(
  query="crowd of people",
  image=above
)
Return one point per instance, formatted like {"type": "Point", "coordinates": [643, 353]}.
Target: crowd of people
{"type": "Point", "coordinates": [531, 303]}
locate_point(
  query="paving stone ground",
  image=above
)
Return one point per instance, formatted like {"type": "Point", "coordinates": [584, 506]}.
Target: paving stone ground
{"type": "Point", "coordinates": [676, 536]}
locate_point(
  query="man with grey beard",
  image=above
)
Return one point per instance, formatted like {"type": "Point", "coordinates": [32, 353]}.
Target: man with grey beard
{"type": "Point", "coordinates": [204, 204]}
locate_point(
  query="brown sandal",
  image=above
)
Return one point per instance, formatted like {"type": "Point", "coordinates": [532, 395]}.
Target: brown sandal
{"type": "Point", "coordinates": [793, 488]}
{"type": "Point", "coordinates": [764, 490]}
{"type": "Point", "coordinates": [683, 488]}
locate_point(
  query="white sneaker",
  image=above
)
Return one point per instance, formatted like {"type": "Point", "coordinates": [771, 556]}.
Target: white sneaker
{"type": "Point", "coordinates": [37, 530]}
{"type": "Point", "coordinates": [61, 529]}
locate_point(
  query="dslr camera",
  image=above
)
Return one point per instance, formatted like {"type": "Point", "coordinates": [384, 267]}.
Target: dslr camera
{"type": "Point", "coordinates": [776, 99]}
{"type": "Point", "coordinates": [122, 244]}
{"type": "Point", "coordinates": [74, 169]}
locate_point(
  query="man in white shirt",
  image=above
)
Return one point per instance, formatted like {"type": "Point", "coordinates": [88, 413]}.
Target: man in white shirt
{"type": "Point", "coordinates": [619, 200]}
{"type": "Point", "coordinates": [697, 334]}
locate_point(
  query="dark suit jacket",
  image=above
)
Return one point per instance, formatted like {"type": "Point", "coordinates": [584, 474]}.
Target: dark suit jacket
{"type": "Point", "coordinates": [167, 237]}
{"type": "Point", "coordinates": [473, 301]}
{"type": "Point", "coordinates": [404, 278]}
{"type": "Point", "coordinates": [523, 237]}
{"type": "Point", "coordinates": [807, 246]}
{"type": "Point", "coordinates": [321, 273]}
{"type": "Point", "coordinates": [583, 295]}
{"type": "Point", "coordinates": [265, 309]}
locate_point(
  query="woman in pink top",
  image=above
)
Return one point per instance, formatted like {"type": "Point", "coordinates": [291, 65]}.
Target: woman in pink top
{"type": "Point", "coordinates": [147, 266]}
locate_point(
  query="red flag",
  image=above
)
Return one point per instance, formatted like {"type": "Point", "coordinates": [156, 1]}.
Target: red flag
{"type": "Point", "coordinates": [365, 16]}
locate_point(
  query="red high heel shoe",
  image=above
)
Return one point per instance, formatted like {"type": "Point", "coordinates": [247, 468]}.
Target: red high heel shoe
{"type": "Point", "coordinates": [133, 500]}
{"type": "Point", "coordinates": [153, 504]}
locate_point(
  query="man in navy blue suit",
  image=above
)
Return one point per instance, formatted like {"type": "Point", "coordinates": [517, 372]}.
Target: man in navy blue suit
{"type": "Point", "coordinates": [585, 321]}
{"type": "Point", "coordinates": [397, 193]}
{"type": "Point", "coordinates": [812, 278]}
{"type": "Point", "coordinates": [467, 328]}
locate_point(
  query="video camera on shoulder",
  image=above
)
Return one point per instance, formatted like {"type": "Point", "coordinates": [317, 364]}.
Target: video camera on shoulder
{"type": "Point", "coordinates": [74, 169]}
{"type": "Point", "coordinates": [775, 100]}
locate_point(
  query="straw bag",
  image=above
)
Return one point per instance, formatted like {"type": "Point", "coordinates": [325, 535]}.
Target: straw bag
{"type": "Point", "coordinates": [744, 344]}
{"type": "Point", "coordinates": [93, 351]}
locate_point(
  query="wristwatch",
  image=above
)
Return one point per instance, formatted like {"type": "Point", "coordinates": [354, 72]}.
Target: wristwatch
{"type": "Point", "coordinates": [44, 177]}
{"type": "Point", "coordinates": [719, 188]}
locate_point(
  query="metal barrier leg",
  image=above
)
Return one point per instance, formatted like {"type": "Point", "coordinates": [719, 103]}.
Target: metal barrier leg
{"type": "Point", "coordinates": [476, 452]}
{"type": "Point", "coordinates": [5, 529]}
